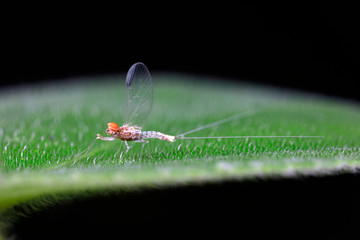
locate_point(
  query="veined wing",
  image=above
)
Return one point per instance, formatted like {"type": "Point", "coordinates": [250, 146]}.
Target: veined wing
{"type": "Point", "coordinates": [140, 95]}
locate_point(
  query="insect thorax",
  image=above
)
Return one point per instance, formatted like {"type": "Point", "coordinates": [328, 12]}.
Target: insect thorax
{"type": "Point", "coordinates": [128, 133]}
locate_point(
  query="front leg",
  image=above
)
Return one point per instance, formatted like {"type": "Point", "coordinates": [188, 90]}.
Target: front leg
{"type": "Point", "coordinates": [98, 136]}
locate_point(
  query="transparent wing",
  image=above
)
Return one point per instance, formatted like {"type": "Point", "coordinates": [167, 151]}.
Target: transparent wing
{"type": "Point", "coordinates": [140, 95]}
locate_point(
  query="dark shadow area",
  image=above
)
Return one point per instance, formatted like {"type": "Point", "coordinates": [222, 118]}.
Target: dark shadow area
{"type": "Point", "coordinates": [307, 206]}
{"type": "Point", "coordinates": [311, 47]}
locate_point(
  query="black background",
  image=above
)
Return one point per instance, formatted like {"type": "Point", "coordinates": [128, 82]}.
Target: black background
{"type": "Point", "coordinates": [310, 47]}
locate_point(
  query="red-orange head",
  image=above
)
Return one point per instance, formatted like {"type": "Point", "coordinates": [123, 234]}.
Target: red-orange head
{"type": "Point", "coordinates": [112, 128]}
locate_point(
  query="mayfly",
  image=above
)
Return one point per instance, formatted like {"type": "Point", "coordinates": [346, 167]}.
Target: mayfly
{"type": "Point", "coordinates": [140, 97]}
{"type": "Point", "coordinates": [139, 87]}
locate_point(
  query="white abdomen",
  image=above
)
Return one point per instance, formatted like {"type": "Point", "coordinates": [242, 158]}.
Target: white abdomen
{"type": "Point", "coordinates": [158, 135]}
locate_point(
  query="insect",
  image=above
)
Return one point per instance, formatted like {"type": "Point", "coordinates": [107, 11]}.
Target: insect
{"type": "Point", "coordinates": [139, 87]}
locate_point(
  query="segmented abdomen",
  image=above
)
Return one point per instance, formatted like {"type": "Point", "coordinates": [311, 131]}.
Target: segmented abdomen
{"type": "Point", "coordinates": [159, 135]}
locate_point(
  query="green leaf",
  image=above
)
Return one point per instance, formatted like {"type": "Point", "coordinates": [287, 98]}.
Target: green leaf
{"type": "Point", "coordinates": [44, 127]}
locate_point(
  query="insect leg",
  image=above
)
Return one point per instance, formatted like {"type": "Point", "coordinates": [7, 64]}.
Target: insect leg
{"type": "Point", "coordinates": [142, 148]}
{"type": "Point", "coordinates": [127, 146]}
{"type": "Point", "coordinates": [98, 136]}
{"type": "Point", "coordinates": [118, 150]}
{"type": "Point", "coordinates": [85, 151]}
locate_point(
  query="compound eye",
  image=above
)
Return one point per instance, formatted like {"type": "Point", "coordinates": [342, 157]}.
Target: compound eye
{"type": "Point", "coordinates": [113, 126]}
